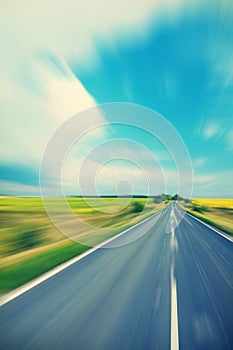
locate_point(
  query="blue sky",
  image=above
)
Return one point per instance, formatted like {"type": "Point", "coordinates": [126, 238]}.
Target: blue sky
{"type": "Point", "coordinates": [173, 57]}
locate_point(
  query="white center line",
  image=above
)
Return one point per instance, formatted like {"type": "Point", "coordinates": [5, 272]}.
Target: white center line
{"type": "Point", "coordinates": [174, 314]}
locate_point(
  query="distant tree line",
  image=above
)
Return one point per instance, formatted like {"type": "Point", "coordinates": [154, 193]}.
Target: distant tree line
{"type": "Point", "coordinates": [168, 197]}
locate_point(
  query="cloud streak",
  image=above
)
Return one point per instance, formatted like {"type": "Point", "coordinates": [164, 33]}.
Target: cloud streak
{"type": "Point", "coordinates": [215, 128]}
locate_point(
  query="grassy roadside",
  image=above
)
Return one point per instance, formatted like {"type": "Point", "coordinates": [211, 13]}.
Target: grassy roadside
{"type": "Point", "coordinates": [31, 245]}
{"type": "Point", "coordinates": [216, 212]}
{"type": "Point", "coordinates": [18, 272]}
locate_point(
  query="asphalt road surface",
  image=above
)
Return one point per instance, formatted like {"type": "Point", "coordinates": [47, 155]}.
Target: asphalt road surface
{"type": "Point", "coordinates": [170, 288]}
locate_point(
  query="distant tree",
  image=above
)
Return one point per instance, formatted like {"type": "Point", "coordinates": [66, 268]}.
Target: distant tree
{"type": "Point", "coordinates": [160, 198]}
{"type": "Point", "coordinates": [174, 198]}
{"type": "Point", "coordinates": [136, 207]}
{"type": "Point", "coordinates": [168, 197]}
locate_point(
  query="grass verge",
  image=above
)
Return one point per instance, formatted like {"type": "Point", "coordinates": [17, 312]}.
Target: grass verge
{"type": "Point", "coordinates": [24, 270]}
{"type": "Point", "coordinates": [31, 245]}
{"type": "Point", "coordinates": [216, 212]}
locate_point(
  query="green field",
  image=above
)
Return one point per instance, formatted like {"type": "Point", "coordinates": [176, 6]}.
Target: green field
{"type": "Point", "coordinates": [31, 245]}
{"type": "Point", "coordinates": [214, 211]}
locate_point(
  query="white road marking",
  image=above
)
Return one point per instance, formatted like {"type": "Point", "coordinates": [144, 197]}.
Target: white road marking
{"type": "Point", "coordinates": [211, 227]}
{"type": "Point", "coordinates": [29, 285]}
{"type": "Point", "coordinates": [174, 314]}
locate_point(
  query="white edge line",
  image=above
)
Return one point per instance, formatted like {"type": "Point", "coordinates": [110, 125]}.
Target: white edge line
{"type": "Point", "coordinates": [210, 227]}
{"type": "Point", "coordinates": [29, 285]}
{"type": "Point", "coordinates": [174, 339]}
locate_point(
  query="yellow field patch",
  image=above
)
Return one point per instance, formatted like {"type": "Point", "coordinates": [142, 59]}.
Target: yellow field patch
{"type": "Point", "coordinates": [214, 202]}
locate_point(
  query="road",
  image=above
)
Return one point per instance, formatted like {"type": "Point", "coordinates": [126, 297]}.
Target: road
{"type": "Point", "coordinates": [168, 289]}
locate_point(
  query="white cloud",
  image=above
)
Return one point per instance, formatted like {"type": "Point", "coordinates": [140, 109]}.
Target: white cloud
{"type": "Point", "coordinates": [211, 130]}
{"type": "Point", "coordinates": [214, 129]}
{"type": "Point", "coordinates": [67, 29]}
{"type": "Point", "coordinates": [115, 160]}
{"type": "Point", "coordinates": [64, 94]}
{"type": "Point", "coordinates": [209, 184]}
{"type": "Point", "coordinates": [31, 119]}
{"type": "Point", "coordinates": [18, 189]}
{"type": "Point", "coordinates": [105, 176]}
{"type": "Point", "coordinates": [71, 28]}
{"type": "Point", "coordinates": [203, 179]}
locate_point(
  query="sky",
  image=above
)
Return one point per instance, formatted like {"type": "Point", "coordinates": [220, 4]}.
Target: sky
{"type": "Point", "coordinates": [173, 57]}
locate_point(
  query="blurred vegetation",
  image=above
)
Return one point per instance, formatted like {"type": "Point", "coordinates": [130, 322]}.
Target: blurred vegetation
{"type": "Point", "coordinates": [31, 245]}
{"type": "Point", "coordinates": [198, 208]}
{"type": "Point", "coordinates": [162, 198]}
{"type": "Point", "coordinates": [17, 272]}
{"type": "Point", "coordinates": [226, 203]}
{"type": "Point", "coordinates": [214, 211]}
{"type": "Point", "coordinates": [136, 207]}
{"type": "Point", "coordinates": [24, 226]}
{"type": "Point", "coordinates": [168, 197]}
